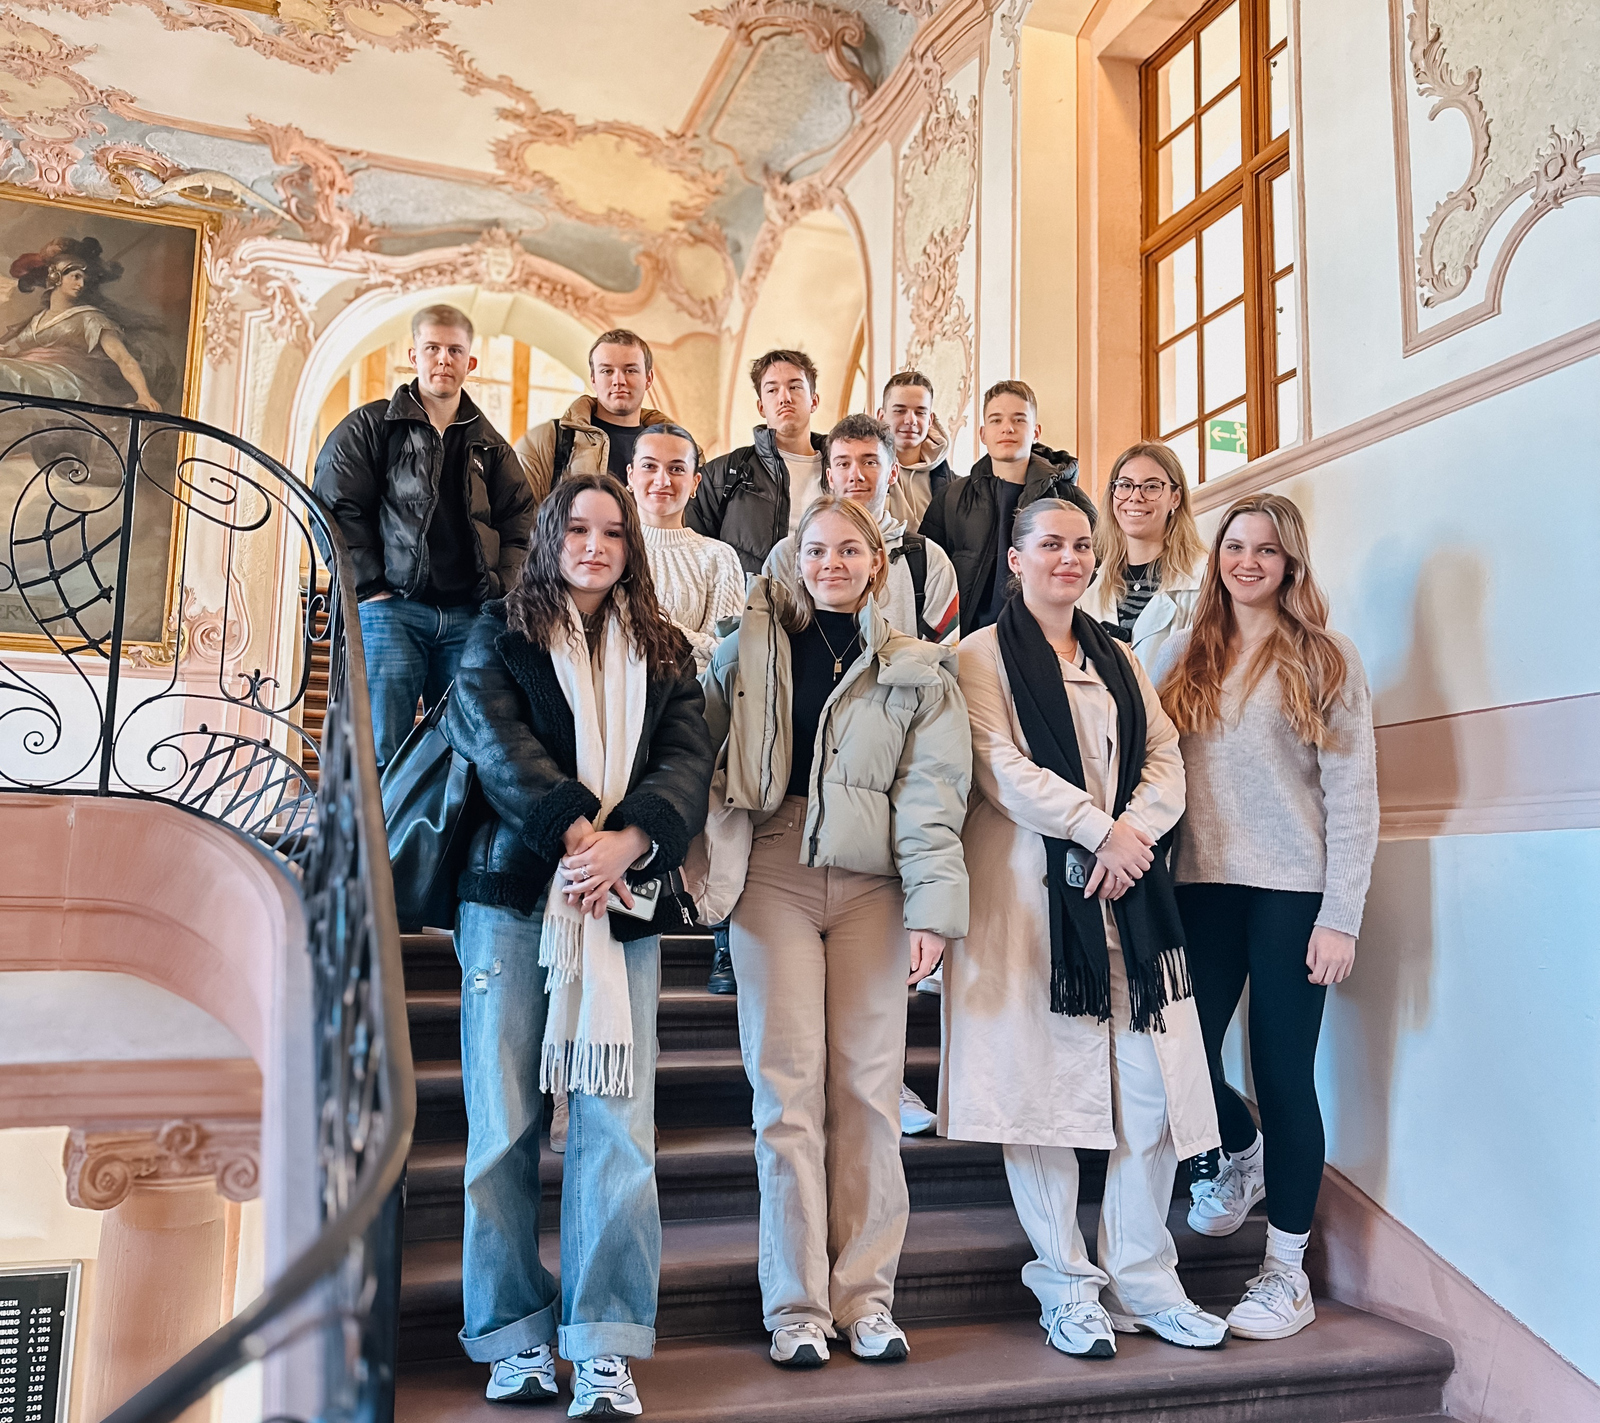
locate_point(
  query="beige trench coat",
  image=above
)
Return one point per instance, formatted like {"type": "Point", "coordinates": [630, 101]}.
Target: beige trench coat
{"type": "Point", "coordinates": [1011, 1070]}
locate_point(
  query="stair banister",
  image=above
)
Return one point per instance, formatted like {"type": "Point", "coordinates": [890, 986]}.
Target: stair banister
{"type": "Point", "coordinates": [190, 707]}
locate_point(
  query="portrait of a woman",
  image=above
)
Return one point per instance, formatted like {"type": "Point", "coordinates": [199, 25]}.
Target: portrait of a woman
{"type": "Point", "coordinates": [77, 345]}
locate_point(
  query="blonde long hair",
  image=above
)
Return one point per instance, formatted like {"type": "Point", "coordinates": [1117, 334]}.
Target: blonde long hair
{"type": "Point", "coordinates": [1181, 544]}
{"type": "Point", "coordinates": [796, 608]}
{"type": "Point", "coordinates": [1311, 669]}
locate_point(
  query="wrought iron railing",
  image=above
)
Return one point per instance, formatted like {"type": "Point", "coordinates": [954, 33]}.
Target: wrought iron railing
{"type": "Point", "coordinates": [164, 588]}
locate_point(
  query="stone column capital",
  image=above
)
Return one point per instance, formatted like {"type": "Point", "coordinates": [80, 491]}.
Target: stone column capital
{"type": "Point", "coordinates": [104, 1166]}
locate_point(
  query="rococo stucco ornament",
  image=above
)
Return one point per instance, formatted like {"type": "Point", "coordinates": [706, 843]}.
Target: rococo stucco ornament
{"type": "Point", "coordinates": [102, 1167]}
{"type": "Point", "coordinates": [937, 188]}
{"type": "Point", "coordinates": [1522, 78]}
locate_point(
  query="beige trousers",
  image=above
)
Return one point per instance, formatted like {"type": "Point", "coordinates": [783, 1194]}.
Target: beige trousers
{"type": "Point", "coordinates": [822, 957]}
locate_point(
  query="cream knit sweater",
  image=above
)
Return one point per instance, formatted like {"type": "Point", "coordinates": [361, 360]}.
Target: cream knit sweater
{"type": "Point", "coordinates": [699, 581]}
{"type": "Point", "coordinates": [1265, 809]}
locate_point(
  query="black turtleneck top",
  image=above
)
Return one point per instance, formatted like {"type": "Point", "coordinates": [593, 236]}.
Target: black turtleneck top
{"type": "Point", "coordinates": [826, 639]}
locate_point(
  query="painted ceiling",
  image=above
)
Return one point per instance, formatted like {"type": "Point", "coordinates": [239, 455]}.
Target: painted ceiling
{"type": "Point", "coordinates": [609, 138]}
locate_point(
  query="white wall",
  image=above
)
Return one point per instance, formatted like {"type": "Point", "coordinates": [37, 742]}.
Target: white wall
{"type": "Point", "coordinates": [1460, 1065]}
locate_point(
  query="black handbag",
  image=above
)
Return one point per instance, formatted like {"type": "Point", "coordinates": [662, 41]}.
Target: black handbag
{"type": "Point", "coordinates": [427, 789]}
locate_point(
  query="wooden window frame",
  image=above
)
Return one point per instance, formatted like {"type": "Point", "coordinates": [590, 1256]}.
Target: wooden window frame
{"type": "Point", "coordinates": [1262, 158]}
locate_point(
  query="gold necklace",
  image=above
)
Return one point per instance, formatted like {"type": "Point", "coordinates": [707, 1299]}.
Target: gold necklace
{"type": "Point", "coordinates": [838, 665]}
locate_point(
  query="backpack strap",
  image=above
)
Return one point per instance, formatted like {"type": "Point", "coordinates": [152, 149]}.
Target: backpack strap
{"type": "Point", "coordinates": [565, 437]}
{"type": "Point", "coordinates": [914, 549]}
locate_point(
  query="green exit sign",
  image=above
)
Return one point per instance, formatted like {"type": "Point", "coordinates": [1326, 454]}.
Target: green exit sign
{"type": "Point", "coordinates": [1228, 436]}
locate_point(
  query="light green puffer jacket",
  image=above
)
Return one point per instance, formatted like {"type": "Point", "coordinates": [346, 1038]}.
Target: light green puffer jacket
{"type": "Point", "coordinates": [890, 774]}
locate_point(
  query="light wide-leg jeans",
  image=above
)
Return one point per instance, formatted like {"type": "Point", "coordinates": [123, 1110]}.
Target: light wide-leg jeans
{"type": "Point", "coordinates": [821, 956]}
{"type": "Point", "coordinates": [610, 1216]}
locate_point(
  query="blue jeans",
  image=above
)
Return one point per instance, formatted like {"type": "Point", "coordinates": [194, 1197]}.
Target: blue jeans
{"type": "Point", "coordinates": [610, 1216]}
{"type": "Point", "coordinates": [413, 650]}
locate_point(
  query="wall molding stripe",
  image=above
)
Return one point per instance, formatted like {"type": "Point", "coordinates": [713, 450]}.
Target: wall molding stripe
{"type": "Point", "coordinates": [1576, 345]}
{"type": "Point", "coordinates": [1362, 1256]}
{"type": "Point", "coordinates": [1498, 770]}
{"type": "Point", "coordinates": [122, 1093]}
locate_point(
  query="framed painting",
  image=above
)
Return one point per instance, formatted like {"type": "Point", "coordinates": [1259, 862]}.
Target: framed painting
{"type": "Point", "coordinates": [105, 303]}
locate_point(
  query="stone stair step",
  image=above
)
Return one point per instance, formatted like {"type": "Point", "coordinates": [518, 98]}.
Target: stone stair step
{"type": "Point", "coordinates": [1347, 1366]}
{"type": "Point", "coordinates": [704, 1173]}
{"type": "Point", "coordinates": [694, 1087]}
{"type": "Point", "coordinates": [962, 1263]}
{"type": "Point", "coordinates": [687, 1018]}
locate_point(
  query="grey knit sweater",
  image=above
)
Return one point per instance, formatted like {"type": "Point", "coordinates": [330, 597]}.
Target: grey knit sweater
{"type": "Point", "coordinates": [1265, 809]}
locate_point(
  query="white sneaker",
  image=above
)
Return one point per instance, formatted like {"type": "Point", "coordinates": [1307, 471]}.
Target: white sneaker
{"type": "Point", "coordinates": [915, 1118]}
{"type": "Point", "coordinates": [1276, 1304]}
{"type": "Point", "coordinates": [878, 1339]}
{"type": "Point", "coordinates": [1219, 1206]}
{"type": "Point", "coordinates": [603, 1388]}
{"type": "Point", "coordinates": [934, 982]}
{"type": "Point", "coordinates": [800, 1346]}
{"type": "Point", "coordinates": [1083, 1330]}
{"type": "Point", "coordinates": [1186, 1325]}
{"type": "Point", "coordinates": [558, 1127]}
{"type": "Point", "coordinates": [528, 1377]}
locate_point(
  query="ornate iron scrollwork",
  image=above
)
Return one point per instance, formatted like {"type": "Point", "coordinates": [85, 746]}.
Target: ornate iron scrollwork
{"type": "Point", "coordinates": [155, 572]}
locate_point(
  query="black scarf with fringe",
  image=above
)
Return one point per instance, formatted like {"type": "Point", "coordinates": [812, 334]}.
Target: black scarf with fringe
{"type": "Point", "coordinates": [1147, 915]}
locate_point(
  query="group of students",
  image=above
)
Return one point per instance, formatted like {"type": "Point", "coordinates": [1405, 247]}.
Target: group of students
{"type": "Point", "coordinates": [1143, 777]}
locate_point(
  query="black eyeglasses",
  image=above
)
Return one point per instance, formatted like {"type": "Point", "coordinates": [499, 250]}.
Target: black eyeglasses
{"type": "Point", "coordinates": [1151, 488]}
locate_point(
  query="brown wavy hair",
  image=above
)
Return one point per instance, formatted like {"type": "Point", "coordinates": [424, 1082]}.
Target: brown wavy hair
{"type": "Point", "coordinates": [1181, 544]}
{"type": "Point", "coordinates": [537, 606]}
{"type": "Point", "coordinates": [1311, 668]}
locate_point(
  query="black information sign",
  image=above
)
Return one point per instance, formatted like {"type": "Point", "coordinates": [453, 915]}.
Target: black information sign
{"type": "Point", "coordinates": [38, 1310]}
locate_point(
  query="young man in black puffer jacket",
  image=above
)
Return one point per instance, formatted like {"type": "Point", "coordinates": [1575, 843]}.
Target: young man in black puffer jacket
{"type": "Point", "coordinates": [753, 496]}
{"type": "Point", "coordinates": [436, 512]}
{"type": "Point", "coordinates": [970, 518]}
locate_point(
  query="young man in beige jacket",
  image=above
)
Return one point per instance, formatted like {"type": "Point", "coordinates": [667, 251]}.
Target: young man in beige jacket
{"type": "Point", "coordinates": [598, 431]}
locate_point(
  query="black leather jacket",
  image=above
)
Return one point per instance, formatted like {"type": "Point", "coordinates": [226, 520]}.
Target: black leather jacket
{"type": "Point", "coordinates": [380, 471]}
{"type": "Point", "coordinates": [743, 498]}
{"type": "Point", "coordinates": [961, 519]}
{"type": "Point", "coordinates": [507, 715]}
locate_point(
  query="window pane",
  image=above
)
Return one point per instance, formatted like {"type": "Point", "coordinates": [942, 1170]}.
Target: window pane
{"type": "Point", "coordinates": [1219, 54]}
{"type": "Point", "coordinates": [1278, 66]}
{"type": "Point", "coordinates": [1179, 398]}
{"type": "Point", "coordinates": [1175, 175]}
{"type": "Point", "coordinates": [1187, 448]}
{"type": "Point", "coordinates": [1224, 357]}
{"type": "Point", "coordinates": [1224, 260]}
{"type": "Point", "coordinates": [494, 358]}
{"type": "Point", "coordinates": [1283, 215]}
{"type": "Point", "coordinates": [1175, 91]}
{"type": "Point", "coordinates": [1278, 22]}
{"type": "Point", "coordinates": [1175, 292]}
{"type": "Point", "coordinates": [1219, 141]}
{"type": "Point", "coordinates": [1289, 412]}
{"type": "Point", "coordinates": [1287, 316]}
{"type": "Point", "coordinates": [1226, 442]}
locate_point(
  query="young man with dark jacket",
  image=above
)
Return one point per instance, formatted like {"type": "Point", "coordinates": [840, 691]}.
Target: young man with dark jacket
{"type": "Point", "coordinates": [754, 496]}
{"type": "Point", "coordinates": [436, 512]}
{"type": "Point", "coordinates": [971, 518]}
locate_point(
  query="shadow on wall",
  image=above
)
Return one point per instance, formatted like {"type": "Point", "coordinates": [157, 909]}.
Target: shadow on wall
{"type": "Point", "coordinates": [1389, 993]}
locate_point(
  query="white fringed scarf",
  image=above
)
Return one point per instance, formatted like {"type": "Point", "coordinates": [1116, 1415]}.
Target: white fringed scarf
{"type": "Point", "coordinates": [588, 1032]}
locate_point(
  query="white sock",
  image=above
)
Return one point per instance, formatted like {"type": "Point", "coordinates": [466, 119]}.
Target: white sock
{"type": "Point", "coordinates": [1285, 1249]}
{"type": "Point", "coordinates": [1250, 1157]}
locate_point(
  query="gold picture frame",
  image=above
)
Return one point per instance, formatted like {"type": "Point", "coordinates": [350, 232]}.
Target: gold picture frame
{"type": "Point", "coordinates": [80, 347]}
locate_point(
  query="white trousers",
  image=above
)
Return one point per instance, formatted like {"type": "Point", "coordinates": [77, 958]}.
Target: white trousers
{"type": "Point", "coordinates": [1138, 1267]}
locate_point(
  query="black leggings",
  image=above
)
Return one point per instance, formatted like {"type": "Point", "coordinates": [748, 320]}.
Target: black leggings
{"type": "Point", "coordinates": [1236, 933]}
